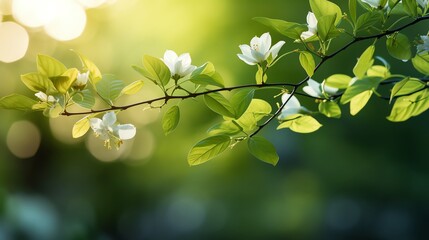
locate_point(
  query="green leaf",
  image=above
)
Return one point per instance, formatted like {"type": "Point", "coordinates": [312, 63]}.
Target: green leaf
{"type": "Point", "coordinates": [406, 86]}
{"type": "Point", "coordinates": [207, 75]}
{"type": "Point", "coordinates": [49, 66]}
{"type": "Point", "coordinates": [132, 88]}
{"type": "Point", "coordinates": [94, 73]}
{"type": "Point", "coordinates": [81, 127]}
{"type": "Point", "coordinates": [38, 83]}
{"type": "Point", "coordinates": [207, 149]}
{"type": "Point", "coordinates": [352, 10]}
{"type": "Point", "coordinates": [366, 20]}
{"type": "Point", "coordinates": [260, 76]}
{"type": "Point", "coordinates": [409, 106]}
{"type": "Point", "coordinates": [289, 29]}
{"type": "Point", "coordinates": [307, 62]}
{"type": "Point", "coordinates": [17, 102]}
{"type": "Point", "coordinates": [326, 28]}
{"type": "Point", "coordinates": [359, 101]}
{"type": "Point", "coordinates": [109, 88]}
{"type": "Point", "coordinates": [64, 82]}
{"type": "Point", "coordinates": [229, 128]}
{"type": "Point", "coordinates": [263, 150]}
{"type": "Point", "coordinates": [399, 46]}
{"type": "Point", "coordinates": [241, 101]}
{"type": "Point", "coordinates": [156, 70]}
{"type": "Point", "coordinates": [378, 71]}
{"type": "Point", "coordinates": [364, 62]}
{"type": "Point", "coordinates": [257, 110]}
{"type": "Point", "coordinates": [361, 85]}
{"type": "Point", "coordinates": [219, 104]}
{"type": "Point", "coordinates": [301, 124]}
{"type": "Point", "coordinates": [410, 7]}
{"type": "Point", "coordinates": [84, 99]}
{"type": "Point", "coordinates": [53, 111]}
{"type": "Point", "coordinates": [421, 63]}
{"type": "Point", "coordinates": [339, 81]}
{"type": "Point", "coordinates": [322, 8]}
{"type": "Point", "coordinates": [330, 109]}
{"type": "Point", "coordinates": [171, 120]}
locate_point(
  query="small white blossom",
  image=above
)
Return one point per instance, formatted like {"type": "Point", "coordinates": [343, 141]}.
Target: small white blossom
{"type": "Point", "coordinates": [107, 129]}
{"type": "Point", "coordinates": [375, 3]}
{"type": "Point", "coordinates": [314, 89]}
{"type": "Point", "coordinates": [81, 80]}
{"type": "Point", "coordinates": [292, 106]}
{"type": "Point", "coordinates": [424, 46]}
{"type": "Point", "coordinates": [45, 98]}
{"type": "Point", "coordinates": [180, 66]}
{"type": "Point", "coordinates": [259, 49]}
{"type": "Point", "coordinates": [423, 3]}
{"type": "Point", "coordinates": [312, 26]}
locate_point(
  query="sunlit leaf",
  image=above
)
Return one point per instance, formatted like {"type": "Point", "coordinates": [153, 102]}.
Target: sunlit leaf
{"type": "Point", "coordinates": [219, 104]}
{"type": "Point", "coordinates": [366, 20]}
{"type": "Point", "coordinates": [378, 71]}
{"type": "Point", "coordinates": [421, 63]}
{"type": "Point", "coordinates": [132, 88]}
{"type": "Point", "coordinates": [49, 66]}
{"type": "Point", "coordinates": [322, 8]}
{"type": "Point", "coordinates": [406, 86]}
{"type": "Point", "coordinates": [94, 73]}
{"type": "Point", "coordinates": [207, 149]}
{"type": "Point", "coordinates": [330, 109]}
{"type": "Point", "coordinates": [340, 81]}
{"type": "Point", "coordinates": [326, 27]}
{"type": "Point", "coordinates": [361, 85]}
{"type": "Point", "coordinates": [359, 101]}
{"type": "Point", "coordinates": [399, 46]}
{"type": "Point", "coordinates": [207, 75]}
{"type": "Point", "coordinates": [364, 62]}
{"type": "Point", "coordinates": [241, 101]}
{"type": "Point", "coordinates": [257, 110]}
{"type": "Point", "coordinates": [17, 102]}
{"type": "Point", "coordinates": [260, 76]}
{"type": "Point", "coordinates": [289, 29]}
{"type": "Point", "coordinates": [64, 82]}
{"type": "Point", "coordinates": [410, 7]}
{"type": "Point", "coordinates": [307, 62]}
{"type": "Point", "coordinates": [156, 70]}
{"type": "Point", "coordinates": [84, 98]}
{"type": "Point", "coordinates": [263, 150]}
{"type": "Point", "coordinates": [352, 10]}
{"type": "Point", "coordinates": [301, 124]}
{"type": "Point", "coordinates": [109, 88]}
{"type": "Point", "coordinates": [229, 128]}
{"type": "Point", "coordinates": [81, 127]}
{"type": "Point", "coordinates": [171, 119]}
{"type": "Point", "coordinates": [37, 82]}
{"type": "Point", "coordinates": [409, 106]}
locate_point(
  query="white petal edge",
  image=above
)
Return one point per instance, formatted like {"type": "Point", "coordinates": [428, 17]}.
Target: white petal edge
{"type": "Point", "coordinates": [126, 131]}
{"type": "Point", "coordinates": [109, 119]}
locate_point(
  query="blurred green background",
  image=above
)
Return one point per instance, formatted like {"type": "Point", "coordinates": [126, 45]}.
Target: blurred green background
{"type": "Point", "coordinates": [355, 178]}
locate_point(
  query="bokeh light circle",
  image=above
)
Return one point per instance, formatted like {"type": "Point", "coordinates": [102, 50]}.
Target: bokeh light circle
{"type": "Point", "coordinates": [34, 13]}
{"type": "Point", "coordinates": [14, 41]}
{"type": "Point", "coordinates": [91, 3]}
{"type": "Point", "coordinates": [23, 139]}
{"type": "Point", "coordinates": [69, 23]}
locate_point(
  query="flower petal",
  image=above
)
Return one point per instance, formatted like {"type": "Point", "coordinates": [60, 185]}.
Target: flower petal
{"type": "Point", "coordinates": [312, 22]}
{"type": "Point", "coordinates": [307, 34]}
{"type": "Point", "coordinates": [245, 49]}
{"type": "Point", "coordinates": [42, 96]}
{"type": "Point", "coordinates": [247, 59]}
{"type": "Point", "coordinates": [310, 91]}
{"type": "Point", "coordinates": [292, 103]}
{"type": "Point", "coordinates": [265, 44]}
{"type": "Point", "coordinates": [276, 48]}
{"type": "Point", "coordinates": [126, 131]}
{"type": "Point", "coordinates": [109, 119]}
{"type": "Point", "coordinates": [186, 59]}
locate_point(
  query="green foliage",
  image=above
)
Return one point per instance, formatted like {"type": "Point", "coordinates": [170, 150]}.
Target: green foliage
{"type": "Point", "coordinates": [257, 110]}
{"type": "Point", "coordinates": [365, 61]}
{"type": "Point", "coordinates": [326, 28]}
{"type": "Point", "coordinates": [409, 106]}
{"type": "Point", "coordinates": [64, 82]}
{"type": "Point", "coordinates": [339, 81]}
{"type": "Point", "coordinates": [421, 63]}
{"type": "Point", "coordinates": [132, 88]}
{"type": "Point", "coordinates": [155, 70]}
{"type": "Point", "coordinates": [367, 20]}
{"type": "Point", "coordinates": [330, 109]}
{"type": "Point", "coordinates": [207, 149]}
{"type": "Point", "coordinates": [307, 62]}
{"type": "Point", "coordinates": [406, 86]}
{"type": "Point", "coordinates": [301, 124]}
{"type": "Point", "coordinates": [84, 98]}
{"type": "Point", "coordinates": [49, 66]}
{"type": "Point", "coordinates": [17, 102]}
{"type": "Point", "coordinates": [289, 29]}
{"type": "Point", "coordinates": [207, 75]}
{"type": "Point", "coordinates": [399, 46]}
{"type": "Point", "coordinates": [229, 128]}
{"type": "Point", "coordinates": [81, 127]}
{"type": "Point", "coordinates": [241, 101]}
{"type": "Point", "coordinates": [171, 119]}
{"type": "Point", "coordinates": [359, 101]}
{"type": "Point", "coordinates": [410, 7]}
{"type": "Point", "coordinates": [94, 73]}
{"type": "Point", "coordinates": [263, 150]}
{"type": "Point", "coordinates": [219, 104]}
{"type": "Point", "coordinates": [37, 82]}
{"type": "Point", "coordinates": [322, 8]}
{"type": "Point", "coordinates": [361, 85]}
{"type": "Point", "coordinates": [260, 75]}
{"type": "Point", "coordinates": [109, 88]}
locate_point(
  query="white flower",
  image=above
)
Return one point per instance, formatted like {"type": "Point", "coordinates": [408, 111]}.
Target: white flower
{"type": "Point", "coordinates": [374, 3]}
{"type": "Point", "coordinates": [314, 89]}
{"type": "Point", "coordinates": [45, 98]}
{"type": "Point", "coordinates": [259, 50]}
{"type": "Point", "coordinates": [81, 80]}
{"type": "Point", "coordinates": [108, 130]}
{"type": "Point", "coordinates": [312, 26]}
{"type": "Point", "coordinates": [423, 3]}
{"type": "Point", "coordinates": [424, 46]}
{"type": "Point", "coordinates": [180, 66]}
{"type": "Point", "coordinates": [292, 106]}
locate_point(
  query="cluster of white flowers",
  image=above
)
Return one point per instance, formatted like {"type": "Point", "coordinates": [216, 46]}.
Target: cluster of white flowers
{"type": "Point", "coordinates": [108, 130]}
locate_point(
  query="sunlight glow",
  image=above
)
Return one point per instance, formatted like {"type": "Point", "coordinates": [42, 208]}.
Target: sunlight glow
{"type": "Point", "coordinates": [34, 13]}
{"type": "Point", "coordinates": [91, 3]}
{"type": "Point", "coordinates": [23, 139]}
{"type": "Point", "coordinates": [13, 42]}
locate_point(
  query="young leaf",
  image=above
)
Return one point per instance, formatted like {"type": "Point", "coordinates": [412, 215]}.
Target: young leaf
{"type": "Point", "coordinates": [229, 128]}
{"type": "Point", "coordinates": [132, 88]}
{"type": "Point", "coordinates": [307, 62]}
{"type": "Point", "coordinates": [340, 81]}
{"type": "Point", "coordinates": [81, 127]}
{"type": "Point", "coordinates": [17, 102]}
{"type": "Point", "coordinates": [326, 28]}
{"type": "Point", "coordinates": [241, 101]}
{"type": "Point", "coordinates": [207, 75]}
{"type": "Point", "coordinates": [330, 109]}
{"type": "Point", "coordinates": [410, 7]}
{"type": "Point", "coordinates": [289, 29]}
{"type": "Point", "coordinates": [263, 150]}
{"type": "Point", "coordinates": [406, 86]}
{"type": "Point", "coordinates": [409, 106]}
{"type": "Point", "coordinates": [304, 124]}
{"type": "Point", "coordinates": [359, 101]}
{"type": "Point", "coordinates": [399, 46]}
{"type": "Point", "coordinates": [84, 99]}
{"type": "Point", "coordinates": [361, 85]}
{"type": "Point", "coordinates": [260, 76]}
{"type": "Point", "coordinates": [156, 70]}
{"type": "Point", "coordinates": [207, 149]}
{"type": "Point", "coordinates": [352, 10]}
{"type": "Point", "coordinates": [367, 20]}
{"type": "Point", "coordinates": [378, 71]}
{"type": "Point", "coordinates": [421, 63]}
{"type": "Point", "coordinates": [37, 82]}
{"type": "Point", "coordinates": [322, 8]}
{"type": "Point", "coordinates": [94, 73]}
{"type": "Point", "coordinates": [49, 66]}
{"type": "Point", "coordinates": [364, 62]}
{"type": "Point", "coordinates": [219, 104]}
{"type": "Point", "coordinates": [171, 119]}
{"type": "Point", "coordinates": [257, 110]}
{"type": "Point", "coordinates": [109, 88]}
{"type": "Point", "coordinates": [64, 82]}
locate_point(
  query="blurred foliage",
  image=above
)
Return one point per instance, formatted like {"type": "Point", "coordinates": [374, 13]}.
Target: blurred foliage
{"type": "Point", "coordinates": [358, 178]}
